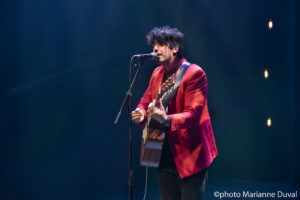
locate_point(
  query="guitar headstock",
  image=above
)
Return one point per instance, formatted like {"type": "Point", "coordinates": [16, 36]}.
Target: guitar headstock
{"type": "Point", "coordinates": [170, 82]}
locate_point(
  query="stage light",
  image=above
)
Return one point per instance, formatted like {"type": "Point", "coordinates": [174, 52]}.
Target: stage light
{"type": "Point", "coordinates": [266, 74]}
{"type": "Point", "coordinates": [269, 122]}
{"type": "Point", "coordinates": [270, 24]}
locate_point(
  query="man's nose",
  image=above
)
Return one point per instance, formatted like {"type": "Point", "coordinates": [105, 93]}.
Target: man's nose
{"type": "Point", "coordinates": [155, 49]}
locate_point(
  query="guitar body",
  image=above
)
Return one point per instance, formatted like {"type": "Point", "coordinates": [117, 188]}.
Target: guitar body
{"type": "Point", "coordinates": [152, 144]}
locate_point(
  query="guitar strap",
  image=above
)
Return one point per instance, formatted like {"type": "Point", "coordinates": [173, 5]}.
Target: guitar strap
{"type": "Point", "coordinates": [167, 96]}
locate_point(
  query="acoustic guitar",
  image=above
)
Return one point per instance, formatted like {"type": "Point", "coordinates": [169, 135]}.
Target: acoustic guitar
{"type": "Point", "coordinates": [153, 132]}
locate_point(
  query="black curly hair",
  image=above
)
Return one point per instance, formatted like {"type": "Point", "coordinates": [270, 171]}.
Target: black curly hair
{"type": "Point", "coordinates": [166, 35]}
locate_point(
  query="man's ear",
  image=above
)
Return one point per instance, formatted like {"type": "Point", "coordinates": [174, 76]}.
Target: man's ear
{"type": "Point", "coordinates": [175, 49]}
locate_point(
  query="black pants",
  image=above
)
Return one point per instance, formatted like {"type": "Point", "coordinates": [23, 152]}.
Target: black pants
{"type": "Point", "coordinates": [173, 188]}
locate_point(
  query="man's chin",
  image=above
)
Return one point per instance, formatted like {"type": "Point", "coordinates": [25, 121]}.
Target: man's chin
{"type": "Point", "coordinates": [160, 61]}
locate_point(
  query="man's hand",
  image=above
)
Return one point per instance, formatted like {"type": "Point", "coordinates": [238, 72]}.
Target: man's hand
{"type": "Point", "coordinates": [137, 116]}
{"type": "Point", "coordinates": [157, 111]}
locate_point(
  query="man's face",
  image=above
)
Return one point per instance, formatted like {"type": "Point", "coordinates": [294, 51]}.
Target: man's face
{"type": "Point", "coordinates": [164, 53]}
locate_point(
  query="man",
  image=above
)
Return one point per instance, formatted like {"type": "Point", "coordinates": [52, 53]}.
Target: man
{"type": "Point", "coordinates": [189, 146]}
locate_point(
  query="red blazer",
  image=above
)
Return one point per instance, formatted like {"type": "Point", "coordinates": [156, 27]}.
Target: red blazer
{"type": "Point", "coordinates": [190, 137]}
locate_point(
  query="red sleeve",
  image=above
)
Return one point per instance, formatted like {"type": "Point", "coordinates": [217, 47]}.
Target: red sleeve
{"type": "Point", "coordinates": [195, 95]}
{"type": "Point", "coordinates": [147, 97]}
{"type": "Point", "coordinates": [145, 101]}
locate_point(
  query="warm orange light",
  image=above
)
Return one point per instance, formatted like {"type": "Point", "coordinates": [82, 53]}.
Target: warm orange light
{"type": "Point", "coordinates": [269, 122]}
{"type": "Point", "coordinates": [266, 74]}
{"type": "Point", "coordinates": [270, 24]}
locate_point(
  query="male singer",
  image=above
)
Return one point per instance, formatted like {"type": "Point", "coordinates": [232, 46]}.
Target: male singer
{"type": "Point", "coordinates": [189, 146]}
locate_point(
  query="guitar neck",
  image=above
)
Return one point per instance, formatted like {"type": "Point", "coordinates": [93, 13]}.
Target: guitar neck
{"type": "Point", "coordinates": [158, 95]}
{"type": "Point", "coordinates": [165, 86]}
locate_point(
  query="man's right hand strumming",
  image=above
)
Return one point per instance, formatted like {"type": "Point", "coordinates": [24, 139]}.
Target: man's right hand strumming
{"type": "Point", "coordinates": [137, 116]}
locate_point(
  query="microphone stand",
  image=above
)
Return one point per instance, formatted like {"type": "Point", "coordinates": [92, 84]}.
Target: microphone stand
{"type": "Point", "coordinates": [128, 101]}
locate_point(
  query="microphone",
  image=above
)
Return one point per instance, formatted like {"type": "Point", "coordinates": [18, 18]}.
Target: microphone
{"type": "Point", "coordinates": [148, 56]}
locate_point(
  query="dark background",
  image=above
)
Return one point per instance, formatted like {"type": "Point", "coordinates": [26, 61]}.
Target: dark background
{"type": "Point", "coordinates": [64, 72]}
